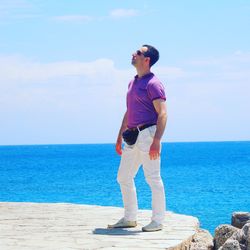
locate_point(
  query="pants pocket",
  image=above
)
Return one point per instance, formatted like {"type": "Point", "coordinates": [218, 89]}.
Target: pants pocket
{"type": "Point", "coordinates": [145, 140]}
{"type": "Point", "coordinates": [152, 131]}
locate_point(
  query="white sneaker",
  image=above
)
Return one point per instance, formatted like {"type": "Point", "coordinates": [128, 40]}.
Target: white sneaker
{"type": "Point", "coordinates": [122, 223]}
{"type": "Point", "coordinates": [152, 226]}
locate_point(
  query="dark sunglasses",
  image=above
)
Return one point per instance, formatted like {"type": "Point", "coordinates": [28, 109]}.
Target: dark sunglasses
{"type": "Point", "coordinates": [139, 53]}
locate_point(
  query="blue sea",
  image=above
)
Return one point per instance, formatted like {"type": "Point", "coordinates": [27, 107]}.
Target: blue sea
{"type": "Point", "coordinates": [209, 180]}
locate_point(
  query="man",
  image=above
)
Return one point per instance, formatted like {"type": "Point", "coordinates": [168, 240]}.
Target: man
{"type": "Point", "coordinates": [146, 113]}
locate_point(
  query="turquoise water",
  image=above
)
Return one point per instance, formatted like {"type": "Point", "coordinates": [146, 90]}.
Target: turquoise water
{"type": "Point", "coordinates": [208, 180]}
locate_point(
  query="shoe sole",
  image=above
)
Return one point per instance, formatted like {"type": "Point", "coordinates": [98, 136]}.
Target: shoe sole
{"type": "Point", "coordinates": [121, 226]}
{"type": "Point", "coordinates": [153, 230]}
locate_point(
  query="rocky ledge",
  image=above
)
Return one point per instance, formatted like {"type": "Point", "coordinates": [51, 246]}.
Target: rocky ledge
{"type": "Point", "coordinates": [32, 226]}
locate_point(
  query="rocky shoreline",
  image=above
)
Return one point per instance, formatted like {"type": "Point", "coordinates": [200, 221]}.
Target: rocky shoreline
{"type": "Point", "coordinates": [227, 237]}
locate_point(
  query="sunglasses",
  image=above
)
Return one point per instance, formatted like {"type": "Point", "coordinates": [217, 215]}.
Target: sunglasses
{"type": "Point", "coordinates": [139, 53]}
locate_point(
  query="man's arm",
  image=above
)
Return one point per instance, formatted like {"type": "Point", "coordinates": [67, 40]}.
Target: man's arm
{"type": "Point", "coordinates": [118, 145]}
{"type": "Point", "coordinates": [161, 109]}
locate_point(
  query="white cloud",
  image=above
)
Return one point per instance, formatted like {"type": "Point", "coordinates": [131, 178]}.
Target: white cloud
{"type": "Point", "coordinates": [78, 102]}
{"type": "Point", "coordinates": [236, 57]}
{"type": "Point", "coordinates": [13, 4]}
{"type": "Point", "coordinates": [16, 9]}
{"type": "Point", "coordinates": [208, 112]}
{"type": "Point", "coordinates": [175, 73]}
{"type": "Point", "coordinates": [73, 18]}
{"type": "Point", "coordinates": [60, 102]}
{"type": "Point", "coordinates": [121, 13]}
{"type": "Point", "coordinates": [16, 69]}
{"type": "Point", "coordinates": [209, 99]}
{"type": "Point", "coordinates": [116, 13]}
{"type": "Point", "coordinates": [216, 70]}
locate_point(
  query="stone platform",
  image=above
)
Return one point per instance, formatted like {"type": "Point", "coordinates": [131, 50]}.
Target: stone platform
{"type": "Point", "coordinates": [57, 226]}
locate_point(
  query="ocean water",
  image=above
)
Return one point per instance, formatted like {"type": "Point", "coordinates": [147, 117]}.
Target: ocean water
{"type": "Point", "coordinates": [208, 180]}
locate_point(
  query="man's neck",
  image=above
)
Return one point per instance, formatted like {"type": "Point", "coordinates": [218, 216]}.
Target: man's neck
{"type": "Point", "coordinates": [143, 72]}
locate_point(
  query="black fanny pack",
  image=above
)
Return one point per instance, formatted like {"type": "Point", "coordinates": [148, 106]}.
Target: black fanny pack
{"type": "Point", "coordinates": [130, 135]}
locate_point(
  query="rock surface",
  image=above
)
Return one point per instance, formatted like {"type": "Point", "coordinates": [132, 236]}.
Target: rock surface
{"type": "Point", "coordinates": [202, 240]}
{"type": "Point", "coordinates": [246, 236]}
{"type": "Point", "coordinates": [228, 237]}
{"type": "Point", "coordinates": [230, 245]}
{"type": "Point", "coordinates": [37, 226]}
{"type": "Point", "coordinates": [222, 234]}
{"type": "Point", "coordinates": [239, 219]}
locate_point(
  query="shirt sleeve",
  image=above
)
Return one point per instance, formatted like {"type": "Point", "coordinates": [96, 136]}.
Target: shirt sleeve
{"type": "Point", "coordinates": [156, 91]}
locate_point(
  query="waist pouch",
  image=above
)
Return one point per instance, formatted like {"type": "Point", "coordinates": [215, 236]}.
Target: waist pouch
{"type": "Point", "coordinates": [130, 136]}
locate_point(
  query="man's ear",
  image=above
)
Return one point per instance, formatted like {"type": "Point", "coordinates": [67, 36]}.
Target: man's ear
{"type": "Point", "coordinates": [147, 59]}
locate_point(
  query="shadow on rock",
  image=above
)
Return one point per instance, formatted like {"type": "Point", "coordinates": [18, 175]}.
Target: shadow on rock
{"type": "Point", "coordinates": [115, 231]}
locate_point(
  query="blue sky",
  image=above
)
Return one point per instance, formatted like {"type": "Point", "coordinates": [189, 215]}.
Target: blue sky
{"type": "Point", "coordinates": [65, 67]}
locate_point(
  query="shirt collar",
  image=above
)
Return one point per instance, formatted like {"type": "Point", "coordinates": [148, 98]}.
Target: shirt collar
{"type": "Point", "coordinates": [145, 76]}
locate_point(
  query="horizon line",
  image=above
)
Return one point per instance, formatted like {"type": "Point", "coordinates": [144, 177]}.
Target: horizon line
{"type": "Point", "coordinates": [103, 143]}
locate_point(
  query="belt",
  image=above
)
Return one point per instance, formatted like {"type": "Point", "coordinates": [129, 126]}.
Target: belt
{"type": "Point", "coordinates": [140, 128]}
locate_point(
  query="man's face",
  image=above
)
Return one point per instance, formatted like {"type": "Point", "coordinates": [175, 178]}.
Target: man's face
{"type": "Point", "coordinates": [138, 57]}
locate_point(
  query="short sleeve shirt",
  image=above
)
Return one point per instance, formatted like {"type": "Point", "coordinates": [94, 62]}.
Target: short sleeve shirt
{"type": "Point", "coordinates": [140, 96]}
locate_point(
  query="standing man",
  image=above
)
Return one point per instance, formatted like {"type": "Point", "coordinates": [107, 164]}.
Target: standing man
{"type": "Point", "coordinates": [142, 128]}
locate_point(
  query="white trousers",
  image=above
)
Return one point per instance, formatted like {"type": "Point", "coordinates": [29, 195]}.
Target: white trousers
{"type": "Point", "coordinates": [132, 158]}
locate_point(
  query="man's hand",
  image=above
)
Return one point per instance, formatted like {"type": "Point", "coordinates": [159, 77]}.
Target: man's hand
{"type": "Point", "coordinates": [118, 146]}
{"type": "Point", "coordinates": [154, 151]}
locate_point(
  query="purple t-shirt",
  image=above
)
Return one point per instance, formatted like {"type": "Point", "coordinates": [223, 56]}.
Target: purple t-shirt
{"type": "Point", "coordinates": [141, 94]}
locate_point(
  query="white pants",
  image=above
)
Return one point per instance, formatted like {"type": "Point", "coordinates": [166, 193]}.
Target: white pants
{"type": "Point", "coordinates": [132, 158]}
